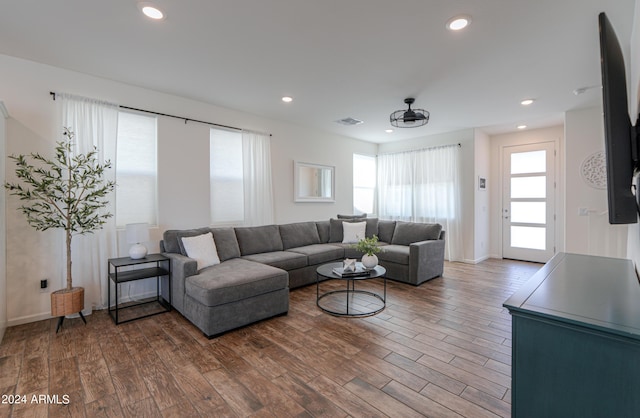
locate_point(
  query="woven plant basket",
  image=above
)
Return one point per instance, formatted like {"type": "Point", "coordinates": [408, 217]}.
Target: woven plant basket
{"type": "Point", "coordinates": [67, 302]}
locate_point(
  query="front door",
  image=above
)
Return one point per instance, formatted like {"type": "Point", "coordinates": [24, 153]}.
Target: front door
{"type": "Point", "coordinates": [528, 210]}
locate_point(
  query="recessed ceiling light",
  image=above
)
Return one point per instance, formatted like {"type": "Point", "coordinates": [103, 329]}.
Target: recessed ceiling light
{"type": "Point", "coordinates": [388, 131]}
{"type": "Point", "coordinates": [287, 99]}
{"type": "Point", "coordinates": [458, 22]}
{"type": "Point", "coordinates": [151, 11]}
{"type": "Point", "coordinates": [521, 126]}
{"type": "Point", "coordinates": [526, 102]}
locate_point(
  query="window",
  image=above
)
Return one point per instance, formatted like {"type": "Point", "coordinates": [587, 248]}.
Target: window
{"type": "Point", "coordinates": [136, 169]}
{"type": "Point", "coordinates": [364, 183]}
{"type": "Point", "coordinates": [226, 174]}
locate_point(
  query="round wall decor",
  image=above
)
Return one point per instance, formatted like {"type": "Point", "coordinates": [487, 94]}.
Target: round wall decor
{"type": "Point", "coordinates": [594, 170]}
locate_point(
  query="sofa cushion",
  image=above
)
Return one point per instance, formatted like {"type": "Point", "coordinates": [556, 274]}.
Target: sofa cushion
{"type": "Point", "coordinates": [281, 259]}
{"type": "Point", "coordinates": [259, 239]}
{"type": "Point", "coordinates": [234, 280]}
{"type": "Point", "coordinates": [398, 254]}
{"type": "Point", "coordinates": [323, 231]}
{"type": "Point", "coordinates": [335, 228]}
{"type": "Point", "coordinates": [299, 234]}
{"type": "Point", "coordinates": [385, 230]}
{"type": "Point", "coordinates": [409, 232]}
{"type": "Point", "coordinates": [202, 248]}
{"type": "Point", "coordinates": [320, 253]}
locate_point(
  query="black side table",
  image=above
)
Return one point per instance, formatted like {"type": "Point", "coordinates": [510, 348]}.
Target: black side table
{"type": "Point", "coordinates": [118, 276]}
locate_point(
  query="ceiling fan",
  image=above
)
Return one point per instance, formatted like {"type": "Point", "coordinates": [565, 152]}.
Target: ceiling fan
{"type": "Point", "coordinates": [409, 118]}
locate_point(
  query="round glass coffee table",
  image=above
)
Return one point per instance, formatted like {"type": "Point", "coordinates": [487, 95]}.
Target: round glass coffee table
{"type": "Point", "coordinates": [350, 302]}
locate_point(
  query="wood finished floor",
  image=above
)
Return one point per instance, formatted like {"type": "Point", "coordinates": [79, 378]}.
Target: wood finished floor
{"type": "Point", "coordinates": [442, 349]}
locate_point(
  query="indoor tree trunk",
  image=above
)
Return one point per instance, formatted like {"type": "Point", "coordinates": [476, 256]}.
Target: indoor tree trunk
{"type": "Point", "coordinates": [71, 299]}
{"type": "Point", "coordinates": [69, 280]}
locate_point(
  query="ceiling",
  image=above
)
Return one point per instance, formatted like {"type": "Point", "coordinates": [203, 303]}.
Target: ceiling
{"type": "Point", "coordinates": [336, 58]}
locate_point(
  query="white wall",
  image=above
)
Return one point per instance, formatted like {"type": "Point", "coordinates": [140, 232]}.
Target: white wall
{"type": "Point", "coordinates": [3, 255]}
{"type": "Point", "coordinates": [498, 143]}
{"type": "Point", "coordinates": [466, 138]}
{"type": "Point", "coordinates": [482, 204]}
{"type": "Point", "coordinates": [183, 168]}
{"type": "Point", "coordinates": [591, 234]}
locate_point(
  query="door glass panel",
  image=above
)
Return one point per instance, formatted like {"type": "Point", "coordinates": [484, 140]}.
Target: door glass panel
{"type": "Point", "coordinates": [529, 162]}
{"type": "Point", "coordinates": [528, 237]}
{"type": "Point", "coordinates": [529, 212]}
{"type": "Point", "coordinates": [528, 187]}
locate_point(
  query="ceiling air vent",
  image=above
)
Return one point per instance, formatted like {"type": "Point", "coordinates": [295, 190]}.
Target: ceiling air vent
{"type": "Point", "coordinates": [349, 121]}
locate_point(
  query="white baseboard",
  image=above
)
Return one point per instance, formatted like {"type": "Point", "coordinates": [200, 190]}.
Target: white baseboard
{"type": "Point", "coordinates": [476, 261]}
{"type": "Point", "coordinates": [29, 318]}
{"type": "Point", "coordinates": [47, 315]}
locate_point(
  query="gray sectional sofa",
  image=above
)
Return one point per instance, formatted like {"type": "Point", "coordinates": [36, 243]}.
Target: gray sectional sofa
{"type": "Point", "coordinates": [258, 265]}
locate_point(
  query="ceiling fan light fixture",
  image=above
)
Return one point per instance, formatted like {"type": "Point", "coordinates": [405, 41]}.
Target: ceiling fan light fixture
{"type": "Point", "coordinates": [409, 118]}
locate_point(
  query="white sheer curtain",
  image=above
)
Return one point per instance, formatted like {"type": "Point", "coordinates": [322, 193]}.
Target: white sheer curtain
{"type": "Point", "coordinates": [424, 186]}
{"type": "Point", "coordinates": [95, 123]}
{"type": "Point", "coordinates": [258, 190]}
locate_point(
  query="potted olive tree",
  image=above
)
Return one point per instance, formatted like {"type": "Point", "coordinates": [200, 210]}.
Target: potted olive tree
{"type": "Point", "coordinates": [68, 192]}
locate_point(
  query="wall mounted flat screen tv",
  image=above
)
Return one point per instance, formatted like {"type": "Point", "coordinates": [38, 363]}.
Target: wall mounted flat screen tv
{"type": "Point", "coordinates": [621, 139]}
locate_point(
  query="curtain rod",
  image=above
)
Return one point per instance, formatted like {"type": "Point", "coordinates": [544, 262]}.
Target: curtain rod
{"type": "Point", "coordinates": [459, 145]}
{"type": "Point", "coordinates": [53, 95]}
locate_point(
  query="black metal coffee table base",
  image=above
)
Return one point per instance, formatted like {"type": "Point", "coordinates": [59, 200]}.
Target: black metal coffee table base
{"type": "Point", "coordinates": [350, 293]}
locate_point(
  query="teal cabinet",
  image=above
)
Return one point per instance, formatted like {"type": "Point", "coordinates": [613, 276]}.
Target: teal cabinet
{"type": "Point", "coordinates": [576, 340]}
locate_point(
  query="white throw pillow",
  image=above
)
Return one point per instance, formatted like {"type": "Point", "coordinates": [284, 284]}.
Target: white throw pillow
{"type": "Point", "coordinates": [202, 248]}
{"type": "Point", "coordinates": [352, 232]}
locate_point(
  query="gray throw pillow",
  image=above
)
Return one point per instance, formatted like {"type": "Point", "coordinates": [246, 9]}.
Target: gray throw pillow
{"type": "Point", "coordinates": [364, 215]}
{"type": "Point", "coordinates": [226, 243]}
{"type": "Point", "coordinates": [385, 230]}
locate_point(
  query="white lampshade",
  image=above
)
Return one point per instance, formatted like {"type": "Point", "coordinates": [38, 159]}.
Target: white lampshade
{"type": "Point", "coordinates": [137, 234]}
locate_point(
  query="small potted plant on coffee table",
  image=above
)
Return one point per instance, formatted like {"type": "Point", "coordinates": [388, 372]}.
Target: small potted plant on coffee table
{"type": "Point", "coordinates": [369, 246]}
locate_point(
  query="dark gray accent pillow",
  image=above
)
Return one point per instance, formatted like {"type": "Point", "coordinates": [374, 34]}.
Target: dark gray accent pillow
{"type": "Point", "coordinates": [335, 228]}
{"type": "Point", "coordinates": [364, 215]}
{"type": "Point", "coordinates": [299, 234]}
{"type": "Point", "coordinates": [226, 243]}
{"type": "Point", "coordinates": [385, 230]}
{"type": "Point", "coordinates": [173, 242]}
{"type": "Point", "coordinates": [409, 232]}
{"type": "Point", "coordinates": [259, 239]}
{"type": "Point", "coordinates": [323, 231]}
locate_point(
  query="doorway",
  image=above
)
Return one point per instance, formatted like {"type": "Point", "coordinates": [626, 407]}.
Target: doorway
{"type": "Point", "coordinates": [528, 208]}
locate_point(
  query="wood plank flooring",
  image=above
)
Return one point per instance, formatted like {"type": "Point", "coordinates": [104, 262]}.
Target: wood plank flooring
{"type": "Point", "coordinates": [442, 349]}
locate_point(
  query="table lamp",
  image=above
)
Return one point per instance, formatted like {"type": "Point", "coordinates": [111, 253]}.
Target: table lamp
{"type": "Point", "coordinates": [137, 233]}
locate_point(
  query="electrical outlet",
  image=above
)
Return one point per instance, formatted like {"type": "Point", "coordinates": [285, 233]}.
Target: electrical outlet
{"type": "Point", "coordinates": [44, 283]}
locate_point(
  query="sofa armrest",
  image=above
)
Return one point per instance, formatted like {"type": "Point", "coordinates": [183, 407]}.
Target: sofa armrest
{"type": "Point", "coordinates": [426, 260]}
{"type": "Point", "coordinates": [181, 268]}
